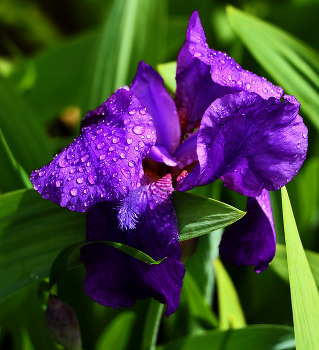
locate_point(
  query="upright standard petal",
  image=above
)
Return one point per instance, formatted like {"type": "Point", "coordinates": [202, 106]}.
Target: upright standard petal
{"type": "Point", "coordinates": [195, 89]}
{"type": "Point", "coordinates": [224, 70]}
{"type": "Point", "coordinates": [250, 143]}
{"type": "Point", "coordinates": [252, 239]}
{"type": "Point", "coordinates": [105, 160]}
{"type": "Point", "coordinates": [116, 279]}
{"type": "Point", "coordinates": [148, 86]}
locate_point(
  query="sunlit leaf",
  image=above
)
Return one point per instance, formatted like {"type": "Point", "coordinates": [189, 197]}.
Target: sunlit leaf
{"type": "Point", "coordinates": [117, 334]}
{"type": "Point", "coordinates": [304, 293]}
{"type": "Point", "coordinates": [290, 62]}
{"type": "Point", "coordinates": [249, 338]}
{"type": "Point", "coordinates": [198, 215]}
{"type": "Point", "coordinates": [168, 73]}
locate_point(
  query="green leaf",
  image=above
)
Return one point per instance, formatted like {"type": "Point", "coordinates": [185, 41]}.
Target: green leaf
{"type": "Point", "coordinates": [20, 127]}
{"type": "Point", "coordinates": [60, 263]}
{"type": "Point", "coordinates": [230, 311]}
{"type": "Point", "coordinates": [168, 73]}
{"type": "Point", "coordinates": [196, 302]}
{"type": "Point", "coordinates": [304, 293]}
{"type": "Point", "coordinates": [12, 172]}
{"type": "Point", "coordinates": [152, 324]}
{"type": "Point", "coordinates": [279, 263]}
{"type": "Point", "coordinates": [32, 233]}
{"type": "Point", "coordinates": [117, 334]}
{"type": "Point", "coordinates": [197, 215]}
{"type": "Point", "coordinates": [261, 337]}
{"type": "Point", "coordinates": [134, 30]}
{"type": "Point", "coordinates": [290, 62]}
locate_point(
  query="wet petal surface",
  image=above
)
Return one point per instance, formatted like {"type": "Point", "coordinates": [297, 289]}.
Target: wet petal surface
{"type": "Point", "coordinates": [250, 143]}
{"type": "Point", "coordinates": [105, 160]}
{"type": "Point", "coordinates": [224, 70]}
{"type": "Point", "coordinates": [116, 279]}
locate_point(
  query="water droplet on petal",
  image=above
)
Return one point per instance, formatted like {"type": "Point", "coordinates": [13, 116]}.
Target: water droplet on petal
{"type": "Point", "coordinates": [304, 136]}
{"type": "Point", "coordinates": [80, 180]}
{"type": "Point", "coordinates": [74, 191]}
{"type": "Point", "coordinates": [143, 111]}
{"type": "Point", "coordinates": [166, 217]}
{"type": "Point", "coordinates": [93, 179]}
{"type": "Point", "coordinates": [85, 158]}
{"type": "Point", "coordinates": [71, 207]}
{"type": "Point", "coordinates": [138, 129]}
{"type": "Point", "coordinates": [115, 139]}
{"type": "Point", "coordinates": [102, 156]}
{"type": "Point", "coordinates": [63, 163]}
{"type": "Point", "coordinates": [100, 145]}
{"type": "Point", "coordinates": [126, 173]}
{"type": "Point", "coordinates": [152, 205]}
{"type": "Point", "coordinates": [129, 141]}
{"type": "Point", "coordinates": [132, 111]}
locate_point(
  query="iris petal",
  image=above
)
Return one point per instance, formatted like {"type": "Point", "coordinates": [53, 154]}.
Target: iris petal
{"type": "Point", "coordinates": [224, 70]}
{"type": "Point", "coordinates": [250, 143]}
{"type": "Point", "coordinates": [116, 279]}
{"type": "Point", "coordinates": [148, 86]}
{"type": "Point", "coordinates": [105, 160]}
{"type": "Point", "coordinates": [252, 239]}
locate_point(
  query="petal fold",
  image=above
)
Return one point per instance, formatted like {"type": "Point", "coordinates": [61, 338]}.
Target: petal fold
{"type": "Point", "coordinates": [250, 143]}
{"type": "Point", "coordinates": [252, 239]}
{"type": "Point", "coordinates": [116, 279]}
{"type": "Point", "coordinates": [105, 161]}
{"type": "Point", "coordinates": [148, 86]}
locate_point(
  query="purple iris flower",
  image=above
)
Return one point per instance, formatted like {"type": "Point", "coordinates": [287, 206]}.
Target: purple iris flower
{"type": "Point", "coordinates": [140, 145]}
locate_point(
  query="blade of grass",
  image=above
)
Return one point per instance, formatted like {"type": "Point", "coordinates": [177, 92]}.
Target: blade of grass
{"type": "Point", "coordinates": [304, 293]}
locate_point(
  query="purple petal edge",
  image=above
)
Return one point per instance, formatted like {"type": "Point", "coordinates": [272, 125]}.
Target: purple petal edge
{"type": "Point", "coordinates": [104, 162]}
{"type": "Point", "coordinates": [252, 239]}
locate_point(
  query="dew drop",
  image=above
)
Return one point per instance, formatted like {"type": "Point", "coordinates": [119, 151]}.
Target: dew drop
{"type": "Point", "coordinates": [304, 136]}
{"type": "Point", "coordinates": [100, 145]}
{"type": "Point", "coordinates": [132, 111]}
{"type": "Point", "coordinates": [122, 155]}
{"type": "Point", "coordinates": [80, 180]}
{"type": "Point", "coordinates": [42, 172]}
{"type": "Point", "coordinates": [131, 164]}
{"type": "Point", "coordinates": [167, 224]}
{"type": "Point", "coordinates": [85, 158]}
{"type": "Point", "coordinates": [93, 179]}
{"type": "Point", "coordinates": [127, 121]}
{"type": "Point", "coordinates": [115, 139]}
{"type": "Point", "coordinates": [126, 173]}
{"type": "Point", "coordinates": [71, 207]}
{"type": "Point", "coordinates": [111, 149]}
{"type": "Point", "coordinates": [138, 129]}
{"type": "Point", "coordinates": [166, 217]}
{"type": "Point", "coordinates": [129, 141]}
{"type": "Point", "coordinates": [143, 111]}
{"type": "Point", "coordinates": [102, 156]}
{"type": "Point", "coordinates": [74, 191]}
{"type": "Point", "coordinates": [58, 183]}
{"type": "Point", "coordinates": [63, 163]}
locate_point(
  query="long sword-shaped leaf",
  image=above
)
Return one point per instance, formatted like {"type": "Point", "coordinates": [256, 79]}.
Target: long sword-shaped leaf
{"type": "Point", "coordinates": [230, 311]}
{"type": "Point", "coordinates": [290, 62]}
{"type": "Point", "coordinates": [304, 293]}
{"type": "Point", "coordinates": [261, 337]}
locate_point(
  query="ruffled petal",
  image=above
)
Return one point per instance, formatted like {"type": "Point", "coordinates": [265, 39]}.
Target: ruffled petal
{"type": "Point", "coordinates": [224, 70]}
{"type": "Point", "coordinates": [105, 160]}
{"type": "Point", "coordinates": [116, 279]}
{"type": "Point", "coordinates": [195, 89]}
{"type": "Point", "coordinates": [148, 86]}
{"type": "Point", "coordinates": [250, 143]}
{"type": "Point", "coordinates": [252, 239]}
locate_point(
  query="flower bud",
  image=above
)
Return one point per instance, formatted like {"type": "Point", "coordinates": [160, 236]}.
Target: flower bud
{"type": "Point", "coordinates": [62, 324]}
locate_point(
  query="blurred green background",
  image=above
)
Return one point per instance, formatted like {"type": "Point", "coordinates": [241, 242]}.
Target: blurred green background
{"type": "Point", "coordinates": [59, 59]}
